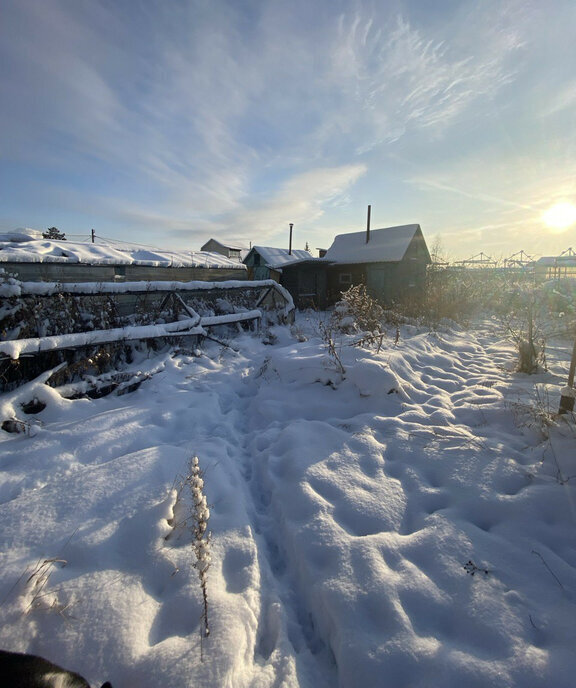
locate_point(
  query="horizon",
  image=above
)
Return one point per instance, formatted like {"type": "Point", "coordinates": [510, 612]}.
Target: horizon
{"type": "Point", "coordinates": [437, 249]}
{"type": "Point", "coordinates": [168, 125]}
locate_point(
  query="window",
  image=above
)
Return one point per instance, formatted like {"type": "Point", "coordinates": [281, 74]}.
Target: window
{"type": "Point", "coordinates": [119, 273]}
{"type": "Point", "coordinates": [345, 278]}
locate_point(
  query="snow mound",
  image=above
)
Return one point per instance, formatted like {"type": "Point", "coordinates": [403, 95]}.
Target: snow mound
{"type": "Point", "coordinates": [408, 521]}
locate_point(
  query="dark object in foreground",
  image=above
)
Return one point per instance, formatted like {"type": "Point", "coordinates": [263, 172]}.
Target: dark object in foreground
{"type": "Point", "coordinates": [471, 568]}
{"type": "Point", "coordinates": [29, 671]}
{"type": "Point", "coordinates": [566, 404]}
{"type": "Point", "coordinates": [568, 393]}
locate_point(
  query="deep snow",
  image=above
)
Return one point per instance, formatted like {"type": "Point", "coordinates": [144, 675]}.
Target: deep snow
{"type": "Point", "coordinates": [347, 518]}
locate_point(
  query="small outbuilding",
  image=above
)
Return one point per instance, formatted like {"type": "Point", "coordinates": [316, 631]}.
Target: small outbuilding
{"type": "Point", "coordinates": [391, 263]}
{"type": "Point", "coordinates": [307, 282]}
{"type": "Point", "coordinates": [265, 262]}
{"type": "Point", "coordinates": [234, 251]}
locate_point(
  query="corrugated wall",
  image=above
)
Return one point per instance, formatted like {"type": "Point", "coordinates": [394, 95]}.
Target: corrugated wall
{"type": "Point", "coordinates": [78, 272]}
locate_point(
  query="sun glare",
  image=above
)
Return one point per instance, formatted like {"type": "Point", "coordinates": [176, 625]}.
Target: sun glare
{"type": "Point", "coordinates": [560, 216]}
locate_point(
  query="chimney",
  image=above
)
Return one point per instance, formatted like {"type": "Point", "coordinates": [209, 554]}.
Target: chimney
{"type": "Point", "coordinates": [290, 244]}
{"type": "Point", "coordinates": [368, 225]}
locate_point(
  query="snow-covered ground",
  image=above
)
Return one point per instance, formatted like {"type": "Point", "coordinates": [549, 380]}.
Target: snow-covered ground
{"type": "Point", "coordinates": [411, 525]}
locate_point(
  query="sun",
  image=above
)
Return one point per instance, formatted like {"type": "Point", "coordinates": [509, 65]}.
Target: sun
{"type": "Point", "coordinates": [560, 216]}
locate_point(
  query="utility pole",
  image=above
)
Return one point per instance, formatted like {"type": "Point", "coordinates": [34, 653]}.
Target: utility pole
{"type": "Point", "coordinates": [368, 224]}
{"type": "Point", "coordinates": [93, 235]}
{"type": "Point", "coordinates": [290, 244]}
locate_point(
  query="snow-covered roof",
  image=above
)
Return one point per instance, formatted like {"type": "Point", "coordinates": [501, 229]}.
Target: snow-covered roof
{"type": "Point", "coordinates": [21, 234]}
{"type": "Point", "coordinates": [554, 261]}
{"type": "Point", "coordinates": [385, 245]}
{"type": "Point", "coordinates": [45, 251]}
{"type": "Point", "coordinates": [277, 257]}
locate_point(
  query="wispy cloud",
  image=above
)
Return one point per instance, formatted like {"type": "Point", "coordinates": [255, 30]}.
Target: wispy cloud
{"type": "Point", "coordinates": [184, 93]}
{"type": "Point", "coordinates": [302, 199]}
{"type": "Point", "coordinates": [401, 79]}
{"type": "Point", "coordinates": [437, 185]}
{"type": "Point", "coordinates": [190, 117]}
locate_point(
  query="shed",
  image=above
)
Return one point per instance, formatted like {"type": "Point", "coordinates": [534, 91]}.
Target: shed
{"type": "Point", "coordinates": [556, 267]}
{"type": "Point", "coordinates": [265, 262]}
{"type": "Point", "coordinates": [391, 262]}
{"type": "Point", "coordinates": [41, 260]}
{"type": "Point", "coordinates": [307, 282]}
{"type": "Point", "coordinates": [234, 251]}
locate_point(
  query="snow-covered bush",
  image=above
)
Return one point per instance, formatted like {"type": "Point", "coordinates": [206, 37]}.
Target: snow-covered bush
{"type": "Point", "coordinates": [357, 311]}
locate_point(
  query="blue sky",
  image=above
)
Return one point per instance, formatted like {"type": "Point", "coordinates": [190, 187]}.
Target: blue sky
{"type": "Point", "coordinates": [170, 122]}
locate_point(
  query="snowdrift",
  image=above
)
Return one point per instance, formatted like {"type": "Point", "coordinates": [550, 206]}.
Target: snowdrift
{"type": "Point", "coordinates": [410, 523]}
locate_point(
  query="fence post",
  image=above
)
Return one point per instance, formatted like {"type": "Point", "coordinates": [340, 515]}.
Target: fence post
{"type": "Point", "coordinates": [569, 393]}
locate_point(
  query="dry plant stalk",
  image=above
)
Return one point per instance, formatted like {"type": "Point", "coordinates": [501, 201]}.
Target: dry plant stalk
{"type": "Point", "coordinates": [198, 527]}
{"type": "Point", "coordinates": [36, 585]}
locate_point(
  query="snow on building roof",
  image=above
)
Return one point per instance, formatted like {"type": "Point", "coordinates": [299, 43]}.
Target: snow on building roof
{"type": "Point", "coordinates": [551, 261]}
{"type": "Point", "coordinates": [277, 257]}
{"type": "Point", "coordinates": [45, 251]}
{"type": "Point", "coordinates": [21, 234]}
{"type": "Point", "coordinates": [386, 245]}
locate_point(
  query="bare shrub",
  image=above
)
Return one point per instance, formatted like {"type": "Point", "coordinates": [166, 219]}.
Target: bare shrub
{"type": "Point", "coordinates": [525, 320]}
{"type": "Point", "coordinates": [328, 336]}
{"type": "Point", "coordinates": [357, 311]}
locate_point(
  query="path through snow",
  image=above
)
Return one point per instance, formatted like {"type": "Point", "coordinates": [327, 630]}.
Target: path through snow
{"type": "Point", "coordinates": [344, 512]}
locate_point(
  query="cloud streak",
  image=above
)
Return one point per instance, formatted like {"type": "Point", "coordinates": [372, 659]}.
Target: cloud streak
{"type": "Point", "coordinates": [301, 199]}
{"type": "Point", "coordinates": [401, 80]}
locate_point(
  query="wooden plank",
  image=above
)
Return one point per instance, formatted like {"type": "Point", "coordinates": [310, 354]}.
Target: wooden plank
{"type": "Point", "coordinates": [28, 347]}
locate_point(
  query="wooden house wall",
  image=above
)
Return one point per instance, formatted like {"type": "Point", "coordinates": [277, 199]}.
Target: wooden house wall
{"type": "Point", "coordinates": [307, 285]}
{"type": "Point", "coordinates": [215, 247]}
{"type": "Point", "coordinates": [385, 281]}
{"type": "Point", "coordinates": [395, 281]}
{"type": "Point", "coordinates": [342, 276]}
{"type": "Point", "coordinates": [80, 272]}
{"type": "Point", "coordinates": [418, 250]}
{"type": "Point", "coordinates": [261, 272]}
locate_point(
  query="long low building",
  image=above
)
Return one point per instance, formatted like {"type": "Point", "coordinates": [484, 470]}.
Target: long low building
{"type": "Point", "coordinates": [29, 258]}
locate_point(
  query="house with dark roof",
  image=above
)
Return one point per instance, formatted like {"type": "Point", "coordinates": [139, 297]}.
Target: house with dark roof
{"type": "Point", "coordinates": [391, 263]}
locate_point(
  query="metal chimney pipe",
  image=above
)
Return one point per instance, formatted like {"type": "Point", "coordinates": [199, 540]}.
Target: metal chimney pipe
{"type": "Point", "coordinates": [368, 225]}
{"type": "Point", "coordinates": [290, 244]}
